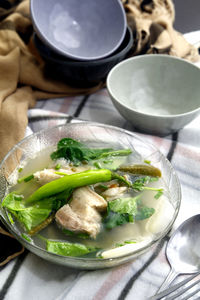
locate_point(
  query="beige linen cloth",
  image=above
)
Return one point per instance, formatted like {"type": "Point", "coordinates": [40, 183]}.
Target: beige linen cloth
{"type": "Point", "coordinates": [22, 77]}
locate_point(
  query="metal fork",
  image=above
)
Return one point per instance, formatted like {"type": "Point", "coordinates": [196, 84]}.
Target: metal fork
{"type": "Point", "coordinates": [176, 287]}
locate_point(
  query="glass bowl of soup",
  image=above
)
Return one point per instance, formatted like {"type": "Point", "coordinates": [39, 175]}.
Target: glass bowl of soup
{"type": "Point", "coordinates": [87, 195]}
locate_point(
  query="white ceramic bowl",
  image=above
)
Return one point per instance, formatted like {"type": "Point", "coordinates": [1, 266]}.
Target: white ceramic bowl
{"type": "Point", "coordinates": [158, 94]}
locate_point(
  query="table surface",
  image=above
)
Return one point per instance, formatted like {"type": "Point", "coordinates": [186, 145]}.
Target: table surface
{"type": "Point", "coordinates": [30, 277]}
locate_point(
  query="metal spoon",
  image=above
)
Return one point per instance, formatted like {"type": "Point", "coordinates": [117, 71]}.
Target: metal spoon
{"type": "Point", "coordinates": [183, 251]}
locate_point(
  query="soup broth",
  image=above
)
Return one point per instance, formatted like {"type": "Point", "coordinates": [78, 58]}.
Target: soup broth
{"type": "Point", "coordinates": [127, 236]}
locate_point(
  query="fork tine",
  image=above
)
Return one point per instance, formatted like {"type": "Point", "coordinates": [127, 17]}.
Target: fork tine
{"type": "Point", "coordinates": [173, 288]}
{"type": "Point", "coordinates": [182, 291]}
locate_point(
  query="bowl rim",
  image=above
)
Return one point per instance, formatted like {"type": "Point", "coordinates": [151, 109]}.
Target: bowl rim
{"type": "Point", "coordinates": [82, 63]}
{"type": "Point", "coordinates": [145, 56]}
{"type": "Point", "coordinates": [28, 245]}
{"type": "Point", "coordinates": [48, 41]}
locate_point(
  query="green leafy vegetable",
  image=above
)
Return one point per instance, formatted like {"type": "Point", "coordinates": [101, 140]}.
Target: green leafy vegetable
{"type": "Point", "coordinates": [60, 199]}
{"type": "Point", "coordinates": [34, 215]}
{"type": "Point", "coordinates": [124, 205]}
{"type": "Point", "coordinates": [143, 211]}
{"type": "Point", "coordinates": [77, 152]}
{"type": "Point", "coordinates": [13, 202]}
{"type": "Point", "coordinates": [115, 219]}
{"type": "Point", "coordinates": [126, 210]}
{"type": "Point", "coordinates": [139, 185]}
{"type": "Point", "coordinates": [79, 235]}
{"type": "Point", "coordinates": [68, 249]}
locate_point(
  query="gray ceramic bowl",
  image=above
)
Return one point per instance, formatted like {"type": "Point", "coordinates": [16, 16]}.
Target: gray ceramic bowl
{"type": "Point", "coordinates": [95, 134]}
{"type": "Point", "coordinates": [158, 94]}
{"type": "Point", "coordinates": [82, 73]}
{"type": "Point", "coordinates": [82, 30]}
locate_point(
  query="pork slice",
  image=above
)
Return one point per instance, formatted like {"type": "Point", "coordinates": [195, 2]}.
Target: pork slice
{"type": "Point", "coordinates": [67, 218]}
{"type": "Point", "coordinates": [113, 193]}
{"type": "Point", "coordinates": [82, 214]}
{"type": "Point", "coordinates": [48, 175]}
{"type": "Point", "coordinates": [85, 196]}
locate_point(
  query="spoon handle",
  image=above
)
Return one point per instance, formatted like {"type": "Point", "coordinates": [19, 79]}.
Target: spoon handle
{"type": "Point", "coordinates": [168, 280]}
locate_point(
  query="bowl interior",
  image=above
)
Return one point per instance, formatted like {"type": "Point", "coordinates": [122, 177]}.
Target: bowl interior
{"type": "Point", "coordinates": [93, 134]}
{"type": "Point", "coordinates": [81, 30]}
{"type": "Point", "coordinates": [156, 85]}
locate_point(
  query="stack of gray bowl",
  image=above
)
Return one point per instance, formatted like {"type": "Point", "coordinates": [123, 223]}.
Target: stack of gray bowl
{"type": "Point", "coordinates": [81, 41]}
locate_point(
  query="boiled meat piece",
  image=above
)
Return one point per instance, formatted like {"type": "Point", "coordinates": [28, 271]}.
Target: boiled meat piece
{"type": "Point", "coordinates": [48, 175]}
{"type": "Point", "coordinates": [114, 192]}
{"type": "Point", "coordinates": [82, 214]}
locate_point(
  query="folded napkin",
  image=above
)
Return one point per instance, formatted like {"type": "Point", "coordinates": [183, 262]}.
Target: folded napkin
{"type": "Point", "coordinates": [22, 76]}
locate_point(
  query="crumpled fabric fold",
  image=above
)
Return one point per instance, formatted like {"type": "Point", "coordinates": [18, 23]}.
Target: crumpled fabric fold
{"type": "Point", "coordinates": [152, 24]}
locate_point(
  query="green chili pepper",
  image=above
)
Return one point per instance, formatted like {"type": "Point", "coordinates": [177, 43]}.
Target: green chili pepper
{"type": "Point", "coordinates": [71, 181]}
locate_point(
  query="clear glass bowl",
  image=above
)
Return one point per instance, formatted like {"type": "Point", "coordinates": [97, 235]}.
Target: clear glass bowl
{"type": "Point", "coordinates": [94, 134]}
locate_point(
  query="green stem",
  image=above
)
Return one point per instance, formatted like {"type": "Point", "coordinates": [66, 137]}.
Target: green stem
{"type": "Point", "coordinates": [41, 237]}
{"type": "Point", "coordinates": [152, 189]}
{"type": "Point", "coordinates": [25, 178]}
{"type": "Point", "coordinates": [61, 173]}
{"type": "Point", "coordinates": [121, 178]}
{"type": "Point", "coordinates": [123, 152]}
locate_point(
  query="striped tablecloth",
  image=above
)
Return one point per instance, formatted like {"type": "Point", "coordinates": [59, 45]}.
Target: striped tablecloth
{"type": "Point", "coordinates": [30, 277]}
